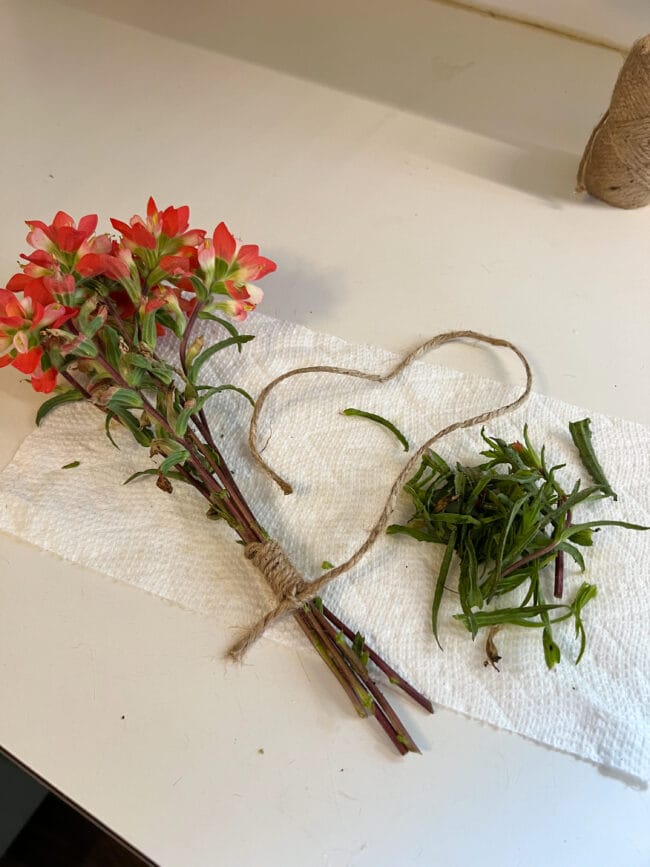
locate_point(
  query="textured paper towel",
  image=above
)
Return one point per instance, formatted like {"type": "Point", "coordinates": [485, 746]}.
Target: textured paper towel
{"type": "Point", "coordinates": [342, 469]}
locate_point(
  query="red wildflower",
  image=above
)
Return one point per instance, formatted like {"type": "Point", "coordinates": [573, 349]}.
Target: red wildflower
{"type": "Point", "coordinates": [20, 326]}
{"type": "Point", "coordinates": [166, 230]}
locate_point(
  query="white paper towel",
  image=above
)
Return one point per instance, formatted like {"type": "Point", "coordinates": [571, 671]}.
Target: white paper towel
{"type": "Point", "coordinates": [341, 469]}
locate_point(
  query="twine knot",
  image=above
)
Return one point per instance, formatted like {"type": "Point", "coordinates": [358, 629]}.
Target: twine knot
{"type": "Point", "coordinates": [283, 578]}
{"type": "Point", "coordinates": [280, 573]}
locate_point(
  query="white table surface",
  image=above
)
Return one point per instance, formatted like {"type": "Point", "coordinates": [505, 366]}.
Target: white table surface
{"type": "Point", "coordinates": [410, 167]}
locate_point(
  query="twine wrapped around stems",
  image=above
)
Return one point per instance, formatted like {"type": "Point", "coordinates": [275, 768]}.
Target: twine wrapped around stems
{"type": "Point", "coordinates": [615, 166]}
{"type": "Point", "coordinates": [288, 585]}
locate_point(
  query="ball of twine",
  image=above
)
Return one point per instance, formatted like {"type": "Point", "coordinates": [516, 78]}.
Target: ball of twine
{"type": "Point", "coordinates": [615, 166]}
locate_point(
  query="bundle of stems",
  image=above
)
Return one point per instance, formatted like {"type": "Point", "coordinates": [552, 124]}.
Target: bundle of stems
{"type": "Point", "coordinates": [88, 309]}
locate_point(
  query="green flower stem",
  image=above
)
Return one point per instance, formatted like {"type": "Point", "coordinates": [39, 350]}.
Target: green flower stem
{"type": "Point", "coordinates": [354, 679]}
{"type": "Point", "coordinates": [383, 666]}
{"type": "Point", "coordinates": [153, 413]}
{"type": "Point", "coordinates": [332, 657]}
{"type": "Point", "coordinates": [117, 321]}
{"type": "Point", "coordinates": [220, 469]}
{"type": "Point", "coordinates": [381, 708]}
{"type": "Point", "coordinates": [191, 322]}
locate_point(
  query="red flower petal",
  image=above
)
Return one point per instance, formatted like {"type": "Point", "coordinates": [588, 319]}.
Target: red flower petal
{"type": "Point", "coordinates": [62, 219]}
{"type": "Point", "coordinates": [26, 362]}
{"type": "Point", "coordinates": [39, 257]}
{"type": "Point", "coordinates": [44, 382]}
{"type": "Point", "coordinates": [121, 227]}
{"type": "Point", "coordinates": [68, 239]}
{"type": "Point", "coordinates": [93, 264]}
{"type": "Point", "coordinates": [88, 224]}
{"type": "Point", "coordinates": [175, 265]}
{"type": "Point", "coordinates": [19, 282]}
{"type": "Point", "coordinates": [256, 266]}
{"type": "Point", "coordinates": [143, 237]}
{"type": "Point", "coordinates": [224, 243]}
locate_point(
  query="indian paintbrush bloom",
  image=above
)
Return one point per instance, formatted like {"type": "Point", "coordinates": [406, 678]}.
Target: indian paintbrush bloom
{"type": "Point", "coordinates": [90, 309]}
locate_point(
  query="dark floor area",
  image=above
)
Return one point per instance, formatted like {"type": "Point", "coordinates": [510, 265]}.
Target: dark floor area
{"type": "Point", "coordinates": [58, 836]}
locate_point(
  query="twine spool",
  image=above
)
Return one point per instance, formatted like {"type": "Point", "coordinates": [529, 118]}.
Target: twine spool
{"type": "Point", "coordinates": [615, 166]}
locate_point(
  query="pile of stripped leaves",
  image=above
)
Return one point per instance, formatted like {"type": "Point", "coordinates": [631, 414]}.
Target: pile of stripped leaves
{"type": "Point", "coordinates": [509, 522]}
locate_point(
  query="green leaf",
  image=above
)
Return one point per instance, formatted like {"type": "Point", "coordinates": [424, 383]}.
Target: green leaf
{"type": "Point", "coordinates": [230, 328]}
{"type": "Point", "coordinates": [585, 594]}
{"type": "Point", "coordinates": [440, 583]}
{"type": "Point", "coordinates": [139, 434]}
{"type": "Point", "coordinates": [148, 329]}
{"type": "Point", "coordinates": [71, 465]}
{"type": "Point", "coordinates": [581, 435]}
{"type": "Point", "coordinates": [475, 597]}
{"type": "Point", "coordinates": [111, 340]}
{"type": "Point", "coordinates": [86, 349]}
{"type": "Point", "coordinates": [125, 398]}
{"type": "Point", "coordinates": [179, 477]}
{"type": "Point", "coordinates": [219, 388]}
{"type": "Point", "coordinates": [70, 395]}
{"type": "Point", "coordinates": [197, 405]}
{"type": "Point", "coordinates": [551, 650]}
{"type": "Point", "coordinates": [517, 616]}
{"type": "Point", "coordinates": [359, 413]}
{"type": "Point", "coordinates": [325, 565]}
{"type": "Point", "coordinates": [573, 552]}
{"type": "Point", "coordinates": [177, 457]}
{"type": "Point", "coordinates": [160, 369]}
{"type": "Point", "coordinates": [420, 535]}
{"type": "Point", "coordinates": [574, 530]}
{"type": "Point", "coordinates": [194, 370]}
{"type": "Point", "coordinates": [175, 323]}
{"type": "Point", "coordinates": [107, 427]}
{"type": "Point", "coordinates": [453, 518]}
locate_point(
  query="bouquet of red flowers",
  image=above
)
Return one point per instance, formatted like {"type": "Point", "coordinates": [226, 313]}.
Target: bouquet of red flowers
{"type": "Point", "coordinates": [83, 318]}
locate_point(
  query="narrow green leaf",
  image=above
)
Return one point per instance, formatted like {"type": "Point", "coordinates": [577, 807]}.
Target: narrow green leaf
{"type": "Point", "coordinates": [420, 535]}
{"type": "Point", "coordinates": [70, 395]}
{"type": "Point", "coordinates": [125, 398]}
{"type": "Point", "coordinates": [86, 349]}
{"type": "Point", "coordinates": [440, 583]}
{"type": "Point", "coordinates": [155, 472]}
{"type": "Point", "coordinates": [107, 427]}
{"type": "Point", "coordinates": [201, 359]}
{"type": "Point", "coordinates": [359, 413]}
{"type": "Point", "coordinates": [573, 529]}
{"type": "Point", "coordinates": [573, 552]}
{"type": "Point", "coordinates": [177, 457]}
{"type": "Point", "coordinates": [111, 340]}
{"type": "Point", "coordinates": [230, 328]}
{"type": "Point", "coordinates": [474, 597]}
{"type": "Point", "coordinates": [581, 435]}
{"type": "Point", "coordinates": [551, 650]}
{"type": "Point", "coordinates": [123, 415]}
{"type": "Point", "coordinates": [220, 388]}
{"type": "Point", "coordinates": [71, 465]}
{"type": "Point", "coordinates": [148, 329]}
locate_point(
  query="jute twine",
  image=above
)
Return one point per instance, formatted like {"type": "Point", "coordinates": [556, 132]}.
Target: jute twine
{"type": "Point", "coordinates": [615, 166]}
{"type": "Point", "coordinates": [290, 588]}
